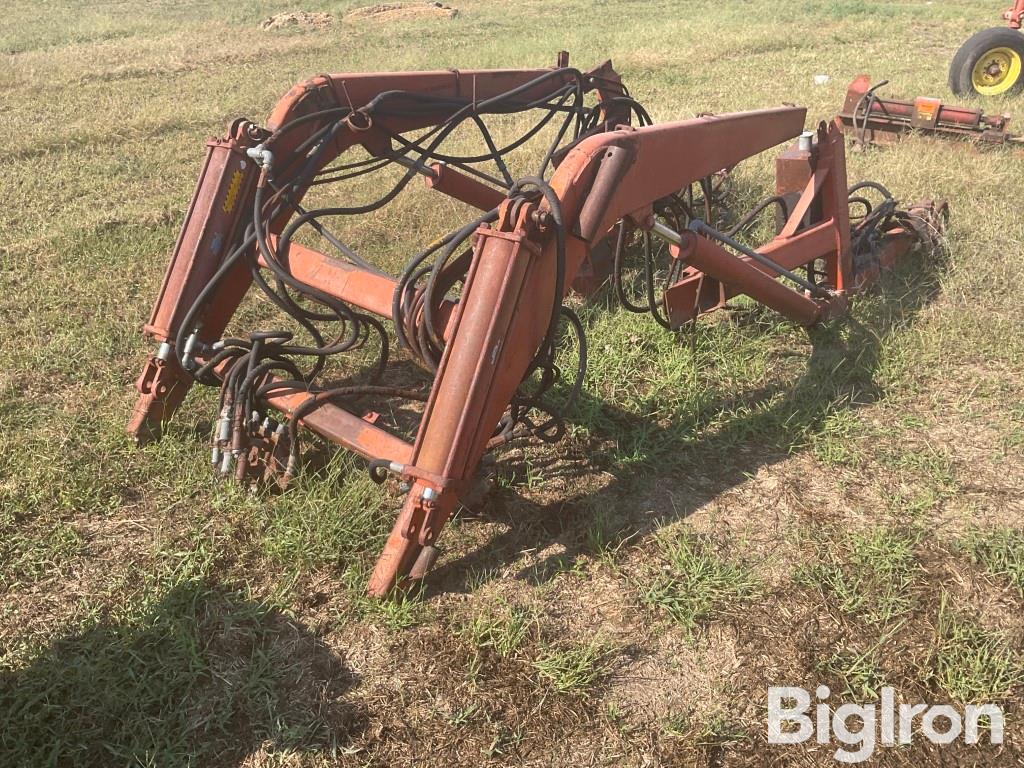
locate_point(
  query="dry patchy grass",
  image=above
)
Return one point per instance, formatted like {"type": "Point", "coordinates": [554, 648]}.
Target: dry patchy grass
{"type": "Point", "coordinates": [746, 505]}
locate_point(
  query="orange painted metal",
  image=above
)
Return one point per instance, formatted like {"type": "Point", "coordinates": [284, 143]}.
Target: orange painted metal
{"type": "Point", "coordinates": [503, 312]}
{"type": "Point", "coordinates": [364, 289]}
{"type": "Point", "coordinates": [661, 160]}
{"type": "Point", "coordinates": [218, 205]}
{"type": "Point", "coordinates": [222, 195]}
{"type": "Point", "coordinates": [451, 182]}
{"type": "Point", "coordinates": [367, 290]}
{"type": "Point", "coordinates": [512, 275]}
{"type": "Point", "coordinates": [1015, 15]}
{"type": "Point", "coordinates": [750, 278]}
{"type": "Point", "coordinates": [219, 202]}
{"type": "Point", "coordinates": [817, 228]}
{"type": "Point", "coordinates": [873, 119]}
{"type": "Point", "coordinates": [700, 291]}
{"type": "Point", "coordinates": [480, 371]}
{"type": "Point", "coordinates": [358, 91]}
{"type": "Point", "coordinates": [345, 428]}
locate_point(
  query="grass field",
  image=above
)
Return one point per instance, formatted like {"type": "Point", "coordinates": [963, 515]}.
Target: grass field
{"type": "Point", "coordinates": [743, 506]}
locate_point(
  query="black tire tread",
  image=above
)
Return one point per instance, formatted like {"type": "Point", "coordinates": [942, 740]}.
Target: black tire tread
{"type": "Point", "coordinates": [967, 56]}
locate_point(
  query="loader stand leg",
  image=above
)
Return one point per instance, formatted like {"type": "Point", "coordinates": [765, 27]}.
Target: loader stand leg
{"type": "Point", "coordinates": [220, 203]}
{"type": "Point", "coordinates": [496, 335]}
{"type": "Point", "coordinates": [162, 388]}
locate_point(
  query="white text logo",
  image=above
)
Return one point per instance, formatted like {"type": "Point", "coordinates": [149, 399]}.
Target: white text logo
{"type": "Point", "coordinates": [860, 728]}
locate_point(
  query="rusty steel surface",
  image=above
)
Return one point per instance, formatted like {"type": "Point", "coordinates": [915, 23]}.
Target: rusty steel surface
{"type": "Point", "coordinates": [872, 119]}
{"type": "Point", "coordinates": [1015, 16]}
{"type": "Point", "coordinates": [657, 165]}
{"type": "Point", "coordinates": [716, 262]}
{"type": "Point", "coordinates": [344, 428]}
{"type": "Point", "coordinates": [808, 180]}
{"type": "Point", "coordinates": [479, 310]}
{"type": "Point", "coordinates": [449, 181]}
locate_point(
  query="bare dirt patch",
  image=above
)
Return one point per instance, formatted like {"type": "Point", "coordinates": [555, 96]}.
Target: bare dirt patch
{"type": "Point", "coordinates": [300, 19]}
{"type": "Point", "coordinates": [387, 12]}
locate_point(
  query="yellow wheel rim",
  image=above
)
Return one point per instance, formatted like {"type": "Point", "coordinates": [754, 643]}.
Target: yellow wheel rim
{"type": "Point", "coordinates": [997, 71]}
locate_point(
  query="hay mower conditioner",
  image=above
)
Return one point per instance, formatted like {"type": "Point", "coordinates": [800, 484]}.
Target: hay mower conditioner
{"type": "Point", "coordinates": [991, 62]}
{"type": "Point", "coordinates": [479, 310]}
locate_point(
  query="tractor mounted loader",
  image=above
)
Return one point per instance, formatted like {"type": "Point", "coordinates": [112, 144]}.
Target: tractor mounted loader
{"type": "Point", "coordinates": [610, 202]}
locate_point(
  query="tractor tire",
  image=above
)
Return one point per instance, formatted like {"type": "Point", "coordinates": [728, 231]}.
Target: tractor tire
{"type": "Point", "coordinates": [991, 63]}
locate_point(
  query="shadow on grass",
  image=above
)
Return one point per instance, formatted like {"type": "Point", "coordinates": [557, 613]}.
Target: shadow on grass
{"type": "Point", "coordinates": [750, 430]}
{"type": "Point", "coordinates": [202, 677]}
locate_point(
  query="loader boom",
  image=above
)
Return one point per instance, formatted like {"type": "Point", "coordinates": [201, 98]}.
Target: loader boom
{"type": "Point", "coordinates": [479, 309]}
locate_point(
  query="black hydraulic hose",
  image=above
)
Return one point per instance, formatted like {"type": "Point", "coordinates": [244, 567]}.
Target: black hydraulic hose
{"type": "Point", "coordinates": [577, 385]}
{"type": "Point", "coordinates": [870, 185]}
{"type": "Point", "coordinates": [652, 301]}
{"type": "Point", "coordinates": [701, 228]}
{"type": "Point", "coordinates": [746, 221]}
{"type": "Point", "coordinates": [460, 160]}
{"type": "Point", "coordinates": [250, 362]}
{"type": "Point", "coordinates": [428, 305]}
{"type": "Point", "coordinates": [449, 241]}
{"type": "Point", "coordinates": [617, 267]}
{"type": "Point", "coordinates": [204, 294]}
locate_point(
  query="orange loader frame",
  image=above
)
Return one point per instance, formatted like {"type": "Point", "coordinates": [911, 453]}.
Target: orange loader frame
{"type": "Point", "coordinates": [522, 263]}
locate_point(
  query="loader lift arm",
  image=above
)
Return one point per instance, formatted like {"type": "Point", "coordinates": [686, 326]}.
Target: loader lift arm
{"type": "Point", "coordinates": [602, 179]}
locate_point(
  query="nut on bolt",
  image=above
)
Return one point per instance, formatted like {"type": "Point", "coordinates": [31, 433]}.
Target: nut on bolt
{"type": "Point", "coordinates": [541, 218]}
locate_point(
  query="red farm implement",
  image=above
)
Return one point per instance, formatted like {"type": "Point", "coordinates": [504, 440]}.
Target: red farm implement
{"type": "Point", "coordinates": [873, 119]}
{"type": "Point", "coordinates": [479, 310]}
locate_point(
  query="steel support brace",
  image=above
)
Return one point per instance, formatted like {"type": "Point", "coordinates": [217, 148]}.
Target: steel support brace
{"type": "Point", "coordinates": [816, 229]}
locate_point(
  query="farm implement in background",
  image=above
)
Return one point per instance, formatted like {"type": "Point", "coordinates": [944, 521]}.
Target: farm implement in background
{"type": "Point", "coordinates": [991, 62]}
{"type": "Point", "coordinates": [614, 199]}
{"type": "Point", "coordinates": [871, 119]}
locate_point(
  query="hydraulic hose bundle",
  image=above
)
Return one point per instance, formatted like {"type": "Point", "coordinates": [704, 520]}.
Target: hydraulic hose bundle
{"type": "Point", "coordinates": [270, 362]}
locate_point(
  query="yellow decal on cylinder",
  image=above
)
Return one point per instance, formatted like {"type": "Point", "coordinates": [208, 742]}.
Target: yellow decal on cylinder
{"type": "Point", "coordinates": [232, 196]}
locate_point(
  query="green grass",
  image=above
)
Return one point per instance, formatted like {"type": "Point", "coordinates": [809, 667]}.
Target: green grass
{"type": "Point", "coordinates": [574, 668]}
{"type": "Point", "coordinates": [860, 669]}
{"type": "Point", "coordinates": [27, 558]}
{"type": "Point", "coordinates": [502, 628]}
{"type": "Point", "coordinates": [835, 444]}
{"type": "Point", "coordinates": [178, 677]}
{"type": "Point", "coordinates": [604, 535]}
{"type": "Point", "coordinates": [150, 615]}
{"type": "Point", "coordinates": [334, 519]}
{"type": "Point", "coordinates": [971, 663]}
{"type": "Point", "coordinates": [694, 581]}
{"type": "Point", "coordinates": [1001, 553]}
{"type": "Point", "coordinates": [869, 575]}
{"type": "Point", "coordinates": [714, 730]}
{"type": "Point", "coordinates": [400, 612]}
{"type": "Point", "coordinates": [859, 672]}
